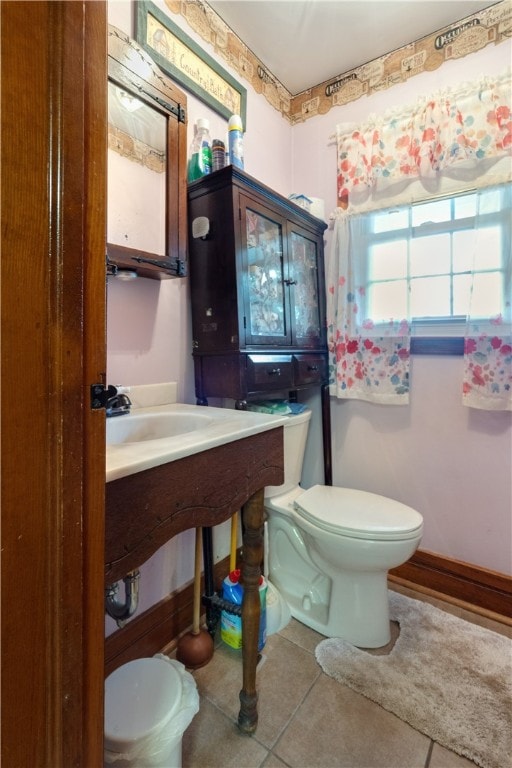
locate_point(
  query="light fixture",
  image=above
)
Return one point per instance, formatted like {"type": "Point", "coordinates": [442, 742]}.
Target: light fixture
{"type": "Point", "coordinates": [126, 274]}
{"type": "Point", "coordinates": [128, 102]}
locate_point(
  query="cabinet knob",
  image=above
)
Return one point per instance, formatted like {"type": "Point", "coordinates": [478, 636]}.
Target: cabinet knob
{"type": "Point", "coordinates": [274, 372]}
{"type": "Point", "coordinates": [312, 367]}
{"type": "Point", "coordinates": [290, 282]}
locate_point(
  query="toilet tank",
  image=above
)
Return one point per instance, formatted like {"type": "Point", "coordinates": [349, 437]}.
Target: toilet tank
{"type": "Point", "coordinates": [295, 434]}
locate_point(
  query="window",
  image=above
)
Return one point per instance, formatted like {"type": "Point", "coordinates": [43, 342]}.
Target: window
{"type": "Point", "coordinates": [420, 261]}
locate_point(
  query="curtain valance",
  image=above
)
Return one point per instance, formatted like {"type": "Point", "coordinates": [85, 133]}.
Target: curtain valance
{"type": "Point", "coordinates": [458, 138]}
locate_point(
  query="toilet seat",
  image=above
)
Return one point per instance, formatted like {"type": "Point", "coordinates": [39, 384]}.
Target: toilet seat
{"type": "Point", "coordinates": [357, 514]}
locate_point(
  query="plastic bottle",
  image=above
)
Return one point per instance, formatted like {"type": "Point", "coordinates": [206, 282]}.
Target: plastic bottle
{"type": "Point", "coordinates": [218, 154]}
{"type": "Point", "coordinates": [200, 162]}
{"type": "Point", "coordinates": [236, 141]}
{"type": "Point", "coordinates": [231, 625]}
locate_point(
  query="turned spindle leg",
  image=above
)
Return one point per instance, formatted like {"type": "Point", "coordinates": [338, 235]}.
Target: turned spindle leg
{"type": "Point", "coordinates": [252, 513]}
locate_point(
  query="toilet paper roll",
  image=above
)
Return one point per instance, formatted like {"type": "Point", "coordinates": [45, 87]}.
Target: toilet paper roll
{"type": "Point", "coordinates": [317, 207]}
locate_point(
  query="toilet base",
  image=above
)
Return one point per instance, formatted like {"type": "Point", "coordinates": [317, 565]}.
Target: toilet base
{"type": "Point", "coordinates": [357, 611]}
{"type": "Point", "coordinates": [349, 604]}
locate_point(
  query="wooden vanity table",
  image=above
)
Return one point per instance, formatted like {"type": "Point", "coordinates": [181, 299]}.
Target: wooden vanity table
{"type": "Point", "coordinates": [146, 509]}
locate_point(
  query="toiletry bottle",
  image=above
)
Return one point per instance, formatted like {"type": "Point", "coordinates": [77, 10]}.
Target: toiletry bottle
{"type": "Point", "coordinates": [226, 144]}
{"type": "Point", "coordinates": [218, 154]}
{"type": "Point", "coordinates": [230, 624]}
{"type": "Point", "coordinates": [236, 141]}
{"type": "Point", "coordinates": [200, 162]}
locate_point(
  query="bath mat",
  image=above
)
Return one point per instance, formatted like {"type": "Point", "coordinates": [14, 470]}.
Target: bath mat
{"type": "Point", "coordinates": [448, 678]}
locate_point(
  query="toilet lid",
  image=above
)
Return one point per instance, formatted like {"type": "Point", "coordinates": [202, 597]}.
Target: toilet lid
{"type": "Point", "coordinates": [358, 514]}
{"type": "Point", "coordinates": [140, 697]}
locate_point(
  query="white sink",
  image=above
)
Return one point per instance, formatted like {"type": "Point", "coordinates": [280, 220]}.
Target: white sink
{"type": "Point", "coordinates": [151, 436]}
{"type": "Point", "coordinates": [138, 427]}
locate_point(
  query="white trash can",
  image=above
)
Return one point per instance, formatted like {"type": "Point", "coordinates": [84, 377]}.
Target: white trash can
{"type": "Point", "coordinates": [148, 705]}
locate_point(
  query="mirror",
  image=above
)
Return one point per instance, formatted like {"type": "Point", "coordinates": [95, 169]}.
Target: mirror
{"type": "Point", "coordinates": [147, 154]}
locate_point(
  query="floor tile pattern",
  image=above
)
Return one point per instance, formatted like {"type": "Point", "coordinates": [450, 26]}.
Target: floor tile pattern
{"type": "Point", "coordinates": [306, 719]}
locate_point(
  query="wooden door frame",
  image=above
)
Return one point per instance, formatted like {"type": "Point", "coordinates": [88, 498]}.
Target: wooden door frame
{"type": "Point", "coordinates": [53, 348]}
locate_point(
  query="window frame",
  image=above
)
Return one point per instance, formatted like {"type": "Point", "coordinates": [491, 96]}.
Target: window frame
{"type": "Point", "coordinates": [423, 343]}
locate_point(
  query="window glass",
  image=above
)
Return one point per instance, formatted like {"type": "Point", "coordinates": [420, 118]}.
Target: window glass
{"type": "Point", "coordinates": [488, 255]}
{"type": "Point", "coordinates": [388, 260]}
{"type": "Point", "coordinates": [430, 255]}
{"type": "Point", "coordinates": [388, 300]}
{"type": "Point", "coordinates": [461, 294]}
{"type": "Point", "coordinates": [430, 296]}
{"type": "Point", "coordinates": [491, 201]}
{"type": "Point", "coordinates": [463, 243]}
{"type": "Point", "coordinates": [390, 221]}
{"type": "Point", "coordinates": [437, 210]}
{"type": "Point", "coordinates": [487, 294]}
{"type": "Point", "coordinates": [427, 257]}
{"type": "Point", "coordinates": [464, 206]}
{"type": "Point", "coordinates": [489, 251]}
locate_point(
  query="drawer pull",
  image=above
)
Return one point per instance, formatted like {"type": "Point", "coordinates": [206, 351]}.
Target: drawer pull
{"type": "Point", "coordinates": [274, 372]}
{"type": "Point", "coordinates": [312, 367]}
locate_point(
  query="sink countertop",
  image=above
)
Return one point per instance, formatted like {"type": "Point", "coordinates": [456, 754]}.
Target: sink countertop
{"type": "Point", "coordinates": [227, 426]}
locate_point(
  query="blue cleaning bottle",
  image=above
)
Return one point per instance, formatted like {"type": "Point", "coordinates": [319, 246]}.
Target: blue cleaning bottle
{"type": "Point", "coordinates": [236, 141]}
{"type": "Point", "coordinates": [231, 625]}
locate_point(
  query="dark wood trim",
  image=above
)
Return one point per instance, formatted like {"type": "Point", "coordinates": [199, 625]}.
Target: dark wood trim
{"type": "Point", "coordinates": [479, 587]}
{"type": "Point", "coordinates": [231, 175]}
{"type": "Point", "coordinates": [143, 263]}
{"type": "Point", "coordinates": [95, 366]}
{"type": "Point", "coordinates": [132, 68]}
{"type": "Point", "coordinates": [158, 627]}
{"type": "Point", "coordinates": [161, 625]}
{"type": "Point", "coordinates": [326, 433]}
{"type": "Point", "coordinates": [53, 253]}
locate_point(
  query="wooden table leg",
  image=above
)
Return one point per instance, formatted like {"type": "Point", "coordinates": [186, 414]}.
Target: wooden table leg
{"type": "Point", "coordinates": [253, 515]}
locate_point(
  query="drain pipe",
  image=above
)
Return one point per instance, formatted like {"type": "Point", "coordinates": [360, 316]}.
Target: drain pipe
{"type": "Point", "coordinates": [122, 611]}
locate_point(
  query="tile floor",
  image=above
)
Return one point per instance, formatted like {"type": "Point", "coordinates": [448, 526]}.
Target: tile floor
{"type": "Point", "coordinates": [306, 719]}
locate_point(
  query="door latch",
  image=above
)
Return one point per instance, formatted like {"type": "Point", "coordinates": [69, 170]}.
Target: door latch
{"type": "Point", "coordinates": [100, 395]}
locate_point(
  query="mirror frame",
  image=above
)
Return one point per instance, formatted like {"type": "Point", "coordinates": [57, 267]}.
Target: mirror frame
{"type": "Point", "coordinates": [131, 67]}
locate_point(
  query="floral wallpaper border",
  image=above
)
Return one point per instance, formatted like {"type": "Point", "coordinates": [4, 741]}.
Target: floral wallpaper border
{"type": "Point", "coordinates": [490, 26]}
{"type": "Point", "coordinates": [135, 150]}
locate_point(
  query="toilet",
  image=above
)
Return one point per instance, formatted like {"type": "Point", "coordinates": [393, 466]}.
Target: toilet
{"type": "Point", "coordinates": [331, 549]}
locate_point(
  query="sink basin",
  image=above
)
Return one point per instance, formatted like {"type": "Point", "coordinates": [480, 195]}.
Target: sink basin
{"type": "Point", "coordinates": [137, 428]}
{"type": "Point", "coordinates": [150, 436]}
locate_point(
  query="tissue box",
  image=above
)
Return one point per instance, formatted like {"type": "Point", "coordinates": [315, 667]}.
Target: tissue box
{"type": "Point", "coordinates": [302, 200]}
{"type": "Point", "coordinates": [313, 205]}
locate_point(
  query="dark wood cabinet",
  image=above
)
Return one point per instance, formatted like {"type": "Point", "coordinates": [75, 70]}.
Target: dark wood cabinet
{"type": "Point", "coordinates": [256, 264]}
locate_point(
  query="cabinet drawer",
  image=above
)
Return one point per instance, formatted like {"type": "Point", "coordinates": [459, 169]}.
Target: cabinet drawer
{"type": "Point", "coordinates": [309, 369]}
{"type": "Point", "coordinates": [269, 372]}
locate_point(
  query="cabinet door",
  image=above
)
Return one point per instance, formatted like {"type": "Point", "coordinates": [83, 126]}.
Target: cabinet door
{"type": "Point", "coordinates": [304, 250]}
{"type": "Point", "coordinates": [267, 307]}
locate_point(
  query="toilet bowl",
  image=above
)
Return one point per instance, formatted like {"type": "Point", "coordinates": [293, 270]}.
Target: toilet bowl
{"type": "Point", "coordinates": [330, 549]}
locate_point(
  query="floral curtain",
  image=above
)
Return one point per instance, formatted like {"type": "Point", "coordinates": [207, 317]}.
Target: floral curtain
{"type": "Point", "coordinates": [487, 380]}
{"type": "Point", "coordinates": [369, 359]}
{"type": "Point", "coordinates": [458, 139]}
{"type": "Point", "coordinates": [439, 144]}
